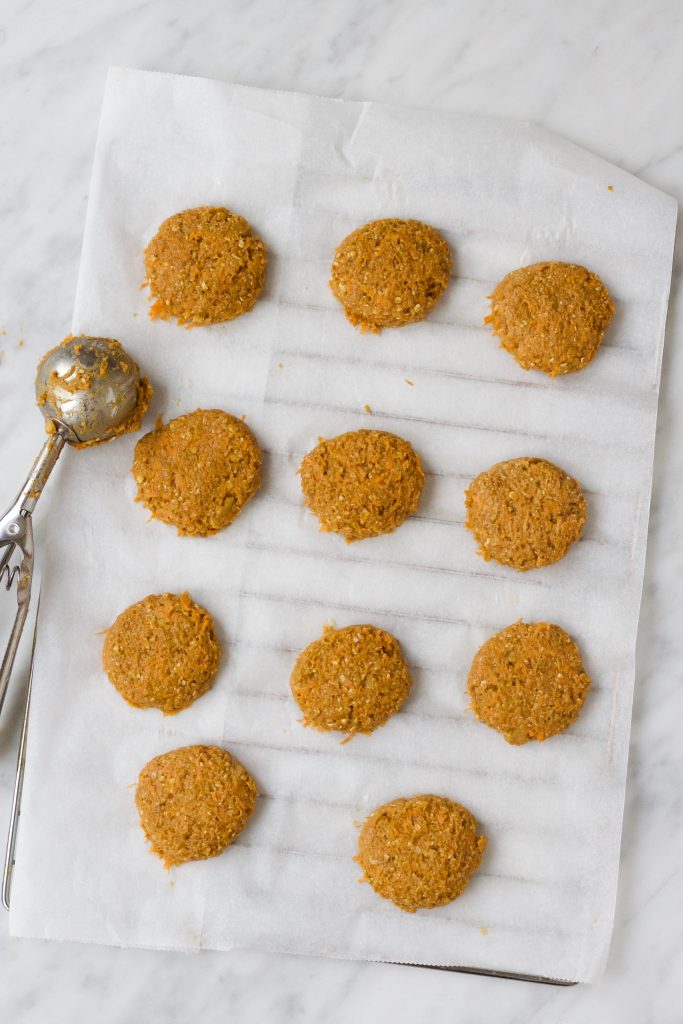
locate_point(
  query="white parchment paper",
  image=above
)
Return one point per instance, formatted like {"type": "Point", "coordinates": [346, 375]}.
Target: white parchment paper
{"type": "Point", "coordinates": [305, 172]}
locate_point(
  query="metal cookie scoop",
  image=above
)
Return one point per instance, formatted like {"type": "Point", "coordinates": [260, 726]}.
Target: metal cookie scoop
{"type": "Point", "coordinates": [89, 391]}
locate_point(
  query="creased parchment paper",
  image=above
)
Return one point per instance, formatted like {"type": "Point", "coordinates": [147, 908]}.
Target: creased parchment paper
{"type": "Point", "coordinates": [305, 172]}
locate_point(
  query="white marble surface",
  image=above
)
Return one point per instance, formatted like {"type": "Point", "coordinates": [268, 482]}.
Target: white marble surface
{"type": "Point", "coordinates": [607, 75]}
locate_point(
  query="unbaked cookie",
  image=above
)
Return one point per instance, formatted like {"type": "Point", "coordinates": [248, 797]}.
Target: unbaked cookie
{"type": "Point", "coordinates": [362, 484]}
{"type": "Point", "coordinates": [193, 802]}
{"type": "Point", "coordinates": [390, 272]}
{"type": "Point", "coordinates": [551, 316]}
{"type": "Point", "coordinates": [525, 513]}
{"type": "Point", "coordinates": [204, 266]}
{"type": "Point", "coordinates": [162, 652]}
{"type": "Point", "coordinates": [198, 471]}
{"type": "Point", "coordinates": [420, 852]}
{"type": "Point", "coordinates": [351, 680]}
{"type": "Point", "coordinates": [528, 682]}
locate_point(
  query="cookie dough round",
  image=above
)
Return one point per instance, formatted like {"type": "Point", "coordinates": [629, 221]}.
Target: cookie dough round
{"type": "Point", "coordinates": [363, 483]}
{"type": "Point", "coordinates": [390, 272]}
{"type": "Point", "coordinates": [193, 802]}
{"type": "Point", "coordinates": [551, 316]}
{"type": "Point", "coordinates": [162, 652]}
{"type": "Point", "coordinates": [528, 682]}
{"type": "Point", "coordinates": [351, 680]}
{"type": "Point", "coordinates": [197, 472]}
{"type": "Point", "coordinates": [204, 266]}
{"type": "Point", "coordinates": [525, 513]}
{"type": "Point", "coordinates": [420, 852]}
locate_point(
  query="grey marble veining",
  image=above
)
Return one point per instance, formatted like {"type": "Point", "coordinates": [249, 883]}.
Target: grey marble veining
{"type": "Point", "coordinates": [605, 74]}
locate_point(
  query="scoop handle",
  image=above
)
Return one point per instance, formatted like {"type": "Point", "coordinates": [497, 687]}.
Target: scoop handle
{"type": "Point", "coordinates": [16, 531]}
{"type": "Point", "coordinates": [27, 498]}
{"type": "Point", "coordinates": [18, 784]}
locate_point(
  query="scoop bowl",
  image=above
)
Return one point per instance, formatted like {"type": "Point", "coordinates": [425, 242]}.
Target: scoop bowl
{"type": "Point", "coordinates": [89, 388]}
